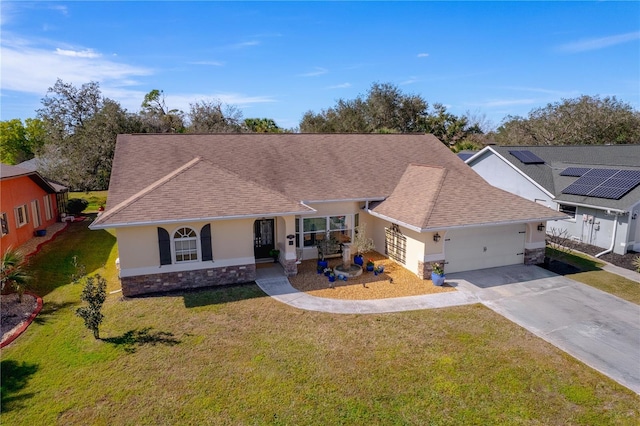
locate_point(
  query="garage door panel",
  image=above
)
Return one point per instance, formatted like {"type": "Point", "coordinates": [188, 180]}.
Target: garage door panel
{"type": "Point", "coordinates": [480, 248]}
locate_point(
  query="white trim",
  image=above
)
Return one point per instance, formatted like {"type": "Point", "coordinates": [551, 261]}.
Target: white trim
{"type": "Point", "coordinates": [173, 245]}
{"type": "Point", "coordinates": [186, 266]}
{"type": "Point", "coordinates": [430, 258]}
{"type": "Point", "coordinates": [197, 219]}
{"type": "Point", "coordinates": [474, 225]}
{"type": "Point", "coordinates": [570, 203]}
{"type": "Point", "coordinates": [523, 174]}
{"type": "Point", "coordinates": [35, 213]}
{"type": "Point", "coordinates": [25, 215]}
{"type": "Point", "coordinates": [536, 245]}
{"type": "Point", "coordinates": [344, 200]}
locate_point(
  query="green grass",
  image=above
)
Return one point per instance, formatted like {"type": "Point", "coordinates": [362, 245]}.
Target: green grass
{"type": "Point", "coordinates": [95, 199]}
{"type": "Point", "coordinates": [594, 276]}
{"type": "Point", "coordinates": [234, 356]}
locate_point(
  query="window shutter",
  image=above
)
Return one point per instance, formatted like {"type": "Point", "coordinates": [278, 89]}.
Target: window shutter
{"type": "Point", "coordinates": [205, 243]}
{"type": "Point", "coordinates": [164, 245]}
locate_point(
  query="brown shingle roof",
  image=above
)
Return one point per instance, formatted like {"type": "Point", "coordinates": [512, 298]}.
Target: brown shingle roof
{"type": "Point", "coordinates": [268, 174]}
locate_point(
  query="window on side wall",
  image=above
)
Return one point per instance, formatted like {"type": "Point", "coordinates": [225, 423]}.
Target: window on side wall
{"type": "Point", "coordinates": [48, 207]}
{"type": "Point", "coordinates": [35, 212]}
{"type": "Point", "coordinates": [568, 210]}
{"type": "Point", "coordinates": [185, 243]}
{"type": "Point", "coordinates": [22, 218]}
{"type": "Point", "coordinates": [4, 224]}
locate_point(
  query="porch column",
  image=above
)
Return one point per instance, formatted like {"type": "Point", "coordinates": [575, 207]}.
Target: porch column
{"type": "Point", "coordinates": [288, 260]}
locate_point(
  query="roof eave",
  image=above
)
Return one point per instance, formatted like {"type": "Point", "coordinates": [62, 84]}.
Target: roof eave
{"type": "Point", "coordinates": [95, 226]}
{"type": "Point", "coordinates": [498, 223]}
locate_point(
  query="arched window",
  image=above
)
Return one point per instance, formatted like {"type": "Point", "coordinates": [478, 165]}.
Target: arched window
{"type": "Point", "coordinates": [185, 243]}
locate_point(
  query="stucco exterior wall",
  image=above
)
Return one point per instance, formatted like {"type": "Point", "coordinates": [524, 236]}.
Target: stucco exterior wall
{"type": "Point", "coordinates": [232, 244]}
{"type": "Point", "coordinates": [501, 175]}
{"type": "Point", "coordinates": [595, 227]}
{"type": "Point", "coordinates": [20, 191]}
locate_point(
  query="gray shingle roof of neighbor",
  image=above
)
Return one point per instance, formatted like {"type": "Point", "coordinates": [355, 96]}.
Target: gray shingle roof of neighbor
{"type": "Point", "coordinates": [7, 172]}
{"type": "Point", "coordinates": [174, 177]}
{"type": "Point", "coordinates": [558, 158]}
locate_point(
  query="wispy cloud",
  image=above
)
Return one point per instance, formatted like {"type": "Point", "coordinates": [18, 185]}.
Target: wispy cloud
{"type": "Point", "coordinates": [245, 44]}
{"type": "Point", "coordinates": [340, 86]}
{"type": "Point", "coordinates": [77, 66]}
{"type": "Point", "coordinates": [598, 43]}
{"type": "Point", "coordinates": [318, 71]}
{"type": "Point", "coordinates": [507, 102]}
{"type": "Point", "coordinates": [211, 63]}
{"type": "Point", "coordinates": [555, 93]}
{"type": "Point", "coordinates": [422, 55]}
{"type": "Point", "coordinates": [410, 80]}
{"type": "Point", "coordinates": [88, 53]}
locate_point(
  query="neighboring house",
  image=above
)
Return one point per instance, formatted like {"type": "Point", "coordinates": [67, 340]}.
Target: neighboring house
{"type": "Point", "coordinates": [598, 186]}
{"type": "Point", "coordinates": [201, 210]}
{"type": "Point", "coordinates": [28, 202]}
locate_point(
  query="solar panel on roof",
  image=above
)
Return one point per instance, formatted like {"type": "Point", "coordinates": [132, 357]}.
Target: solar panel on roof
{"type": "Point", "coordinates": [621, 183]}
{"type": "Point", "coordinates": [608, 192]}
{"type": "Point", "coordinates": [574, 171]}
{"type": "Point", "coordinates": [628, 174]}
{"type": "Point", "coordinates": [601, 172]}
{"type": "Point", "coordinates": [527, 157]}
{"type": "Point", "coordinates": [576, 189]}
{"type": "Point", "coordinates": [605, 183]}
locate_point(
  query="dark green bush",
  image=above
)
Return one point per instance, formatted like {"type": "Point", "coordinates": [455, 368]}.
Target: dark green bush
{"type": "Point", "coordinates": [76, 205]}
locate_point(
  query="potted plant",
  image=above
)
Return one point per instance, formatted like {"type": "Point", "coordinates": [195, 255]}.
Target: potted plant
{"type": "Point", "coordinates": [327, 272]}
{"type": "Point", "coordinates": [379, 269]}
{"type": "Point", "coordinates": [370, 265]}
{"type": "Point", "coordinates": [437, 274]}
{"type": "Point", "coordinates": [361, 244]}
{"type": "Point", "coordinates": [332, 277]}
{"type": "Point", "coordinates": [275, 253]}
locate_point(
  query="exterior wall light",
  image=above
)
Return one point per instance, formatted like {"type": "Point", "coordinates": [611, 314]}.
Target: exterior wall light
{"type": "Point", "coordinates": [541, 227]}
{"type": "Point", "coordinates": [290, 237]}
{"type": "Point", "coordinates": [436, 237]}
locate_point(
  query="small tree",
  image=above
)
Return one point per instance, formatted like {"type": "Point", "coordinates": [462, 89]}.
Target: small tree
{"type": "Point", "coordinates": [561, 242]}
{"type": "Point", "coordinates": [361, 243]}
{"type": "Point", "coordinates": [636, 263]}
{"type": "Point", "coordinates": [13, 271]}
{"type": "Point", "coordinates": [94, 293]}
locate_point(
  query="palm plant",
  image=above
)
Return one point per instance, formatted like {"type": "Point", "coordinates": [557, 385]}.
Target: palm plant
{"type": "Point", "coordinates": [13, 273]}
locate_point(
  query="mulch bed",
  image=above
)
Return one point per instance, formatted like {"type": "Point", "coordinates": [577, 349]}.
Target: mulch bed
{"type": "Point", "coordinates": [395, 281]}
{"type": "Point", "coordinates": [621, 260]}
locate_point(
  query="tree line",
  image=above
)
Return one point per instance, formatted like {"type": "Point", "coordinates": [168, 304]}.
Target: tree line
{"type": "Point", "coordinates": [73, 135]}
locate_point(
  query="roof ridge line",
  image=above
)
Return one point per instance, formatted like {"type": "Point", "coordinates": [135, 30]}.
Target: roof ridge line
{"type": "Point", "coordinates": [151, 187]}
{"type": "Point", "coordinates": [435, 201]}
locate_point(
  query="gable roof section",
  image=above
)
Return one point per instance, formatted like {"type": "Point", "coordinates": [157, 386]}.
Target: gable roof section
{"type": "Point", "coordinates": [10, 172]}
{"type": "Point", "coordinates": [178, 196]}
{"type": "Point", "coordinates": [431, 198]}
{"type": "Point", "coordinates": [230, 175]}
{"type": "Point", "coordinates": [558, 158]}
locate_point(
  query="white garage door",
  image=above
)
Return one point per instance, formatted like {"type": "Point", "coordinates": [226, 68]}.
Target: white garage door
{"type": "Point", "coordinates": [486, 247]}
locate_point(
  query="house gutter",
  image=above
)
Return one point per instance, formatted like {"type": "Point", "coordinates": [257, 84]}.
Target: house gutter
{"type": "Point", "coordinates": [196, 219]}
{"type": "Point", "coordinates": [475, 225]}
{"type": "Point", "coordinates": [590, 206]}
{"type": "Point", "coordinates": [613, 239]}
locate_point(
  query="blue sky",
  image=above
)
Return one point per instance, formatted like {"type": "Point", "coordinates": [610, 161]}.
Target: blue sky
{"type": "Point", "coordinates": [281, 59]}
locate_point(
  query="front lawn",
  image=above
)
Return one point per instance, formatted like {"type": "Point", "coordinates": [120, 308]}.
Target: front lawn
{"type": "Point", "coordinates": [234, 356]}
{"type": "Point", "coordinates": [96, 199]}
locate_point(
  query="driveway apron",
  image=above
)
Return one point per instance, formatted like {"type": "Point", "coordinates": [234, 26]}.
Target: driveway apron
{"type": "Point", "coordinates": [599, 329]}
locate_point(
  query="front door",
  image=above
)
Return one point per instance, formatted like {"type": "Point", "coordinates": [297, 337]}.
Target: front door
{"type": "Point", "coordinates": [263, 233]}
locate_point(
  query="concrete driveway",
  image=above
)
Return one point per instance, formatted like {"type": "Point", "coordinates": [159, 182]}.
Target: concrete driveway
{"type": "Point", "coordinates": [599, 329]}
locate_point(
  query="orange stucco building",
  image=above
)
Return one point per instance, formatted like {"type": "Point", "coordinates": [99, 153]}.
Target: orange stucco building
{"type": "Point", "coordinates": [28, 203]}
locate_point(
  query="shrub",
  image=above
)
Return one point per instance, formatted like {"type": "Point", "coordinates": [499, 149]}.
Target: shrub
{"type": "Point", "coordinates": [76, 205]}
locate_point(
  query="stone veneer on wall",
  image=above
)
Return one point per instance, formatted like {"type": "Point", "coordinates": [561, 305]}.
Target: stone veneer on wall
{"type": "Point", "coordinates": [171, 281]}
{"type": "Point", "coordinates": [534, 256]}
{"type": "Point", "coordinates": [425, 269]}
